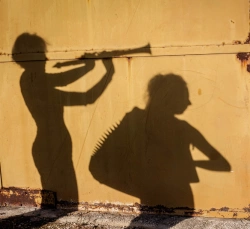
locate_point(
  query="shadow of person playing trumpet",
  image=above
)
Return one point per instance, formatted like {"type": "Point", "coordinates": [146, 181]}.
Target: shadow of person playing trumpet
{"type": "Point", "coordinates": [148, 154]}
{"type": "Point", "coordinates": [52, 147]}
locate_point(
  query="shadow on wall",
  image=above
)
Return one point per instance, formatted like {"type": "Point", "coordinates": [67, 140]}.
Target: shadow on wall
{"type": "Point", "coordinates": [148, 154]}
{"type": "Point", "coordinates": [52, 147]}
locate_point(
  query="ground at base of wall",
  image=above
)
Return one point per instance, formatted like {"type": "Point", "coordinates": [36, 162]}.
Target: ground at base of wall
{"type": "Point", "coordinates": [24, 217]}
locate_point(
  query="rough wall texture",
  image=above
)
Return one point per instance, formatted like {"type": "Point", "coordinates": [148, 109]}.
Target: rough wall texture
{"type": "Point", "coordinates": [180, 141]}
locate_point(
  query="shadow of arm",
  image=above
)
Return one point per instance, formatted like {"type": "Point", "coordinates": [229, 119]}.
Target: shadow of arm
{"type": "Point", "coordinates": [216, 161]}
{"type": "Point", "coordinates": [64, 78]}
{"type": "Point", "coordinates": [89, 97]}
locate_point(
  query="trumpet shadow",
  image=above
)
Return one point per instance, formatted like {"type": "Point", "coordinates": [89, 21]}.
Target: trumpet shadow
{"type": "Point", "coordinates": [52, 147]}
{"type": "Point", "coordinates": [147, 155]}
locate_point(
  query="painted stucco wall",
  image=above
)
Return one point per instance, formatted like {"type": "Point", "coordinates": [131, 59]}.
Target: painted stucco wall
{"type": "Point", "coordinates": [196, 40]}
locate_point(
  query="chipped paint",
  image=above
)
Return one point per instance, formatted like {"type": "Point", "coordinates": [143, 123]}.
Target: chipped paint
{"type": "Point", "coordinates": [27, 197]}
{"type": "Point", "coordinates": [244, 56]}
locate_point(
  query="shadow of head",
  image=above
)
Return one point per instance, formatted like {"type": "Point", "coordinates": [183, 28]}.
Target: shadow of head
{"type": "Point", "coordinates": [168, 93]}
{"type": "Point", "coordinates": [29, 44]}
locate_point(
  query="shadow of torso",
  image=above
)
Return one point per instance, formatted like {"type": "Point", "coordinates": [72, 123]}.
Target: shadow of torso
{"type": "Point", "coordinates": [52, 147]}
{"type": "Point", "coordinates": [148, 158]}
{"type": "Point", "coordinates": [169, 165]}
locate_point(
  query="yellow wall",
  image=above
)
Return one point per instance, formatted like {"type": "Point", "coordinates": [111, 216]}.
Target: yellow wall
{"type": "Point", "coordinates": [192, 39]}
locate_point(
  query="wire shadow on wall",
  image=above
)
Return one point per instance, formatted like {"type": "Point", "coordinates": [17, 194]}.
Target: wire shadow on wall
{"type": "Point", "coordinates": [52, 147]}
{"type": "Point", "coordinates": [148, 154]}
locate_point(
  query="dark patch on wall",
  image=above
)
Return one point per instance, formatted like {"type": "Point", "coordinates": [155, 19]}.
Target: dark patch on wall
{"type": "Point", "coordinates": [247, 209]}
{"type": "Point", "coordinates": [27, 197]}
{"type": "Point", "coordinates": [225, 209]}
{"type": "Point", "coordinates": [244, 56]}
